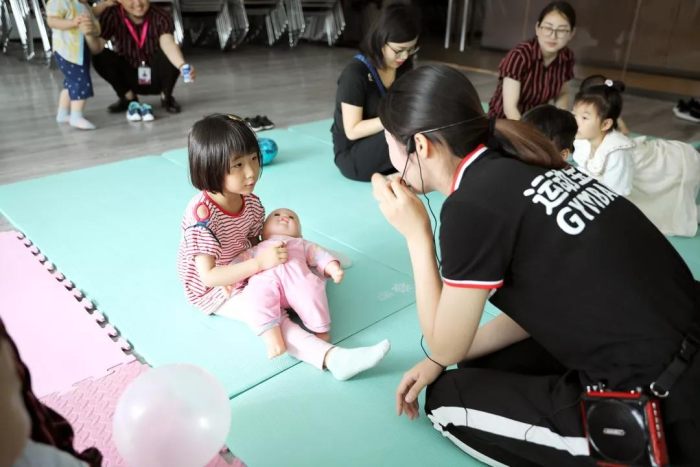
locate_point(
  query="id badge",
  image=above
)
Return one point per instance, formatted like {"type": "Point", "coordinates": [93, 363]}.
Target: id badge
{"type": "Point", "coordinates": [144, 74]}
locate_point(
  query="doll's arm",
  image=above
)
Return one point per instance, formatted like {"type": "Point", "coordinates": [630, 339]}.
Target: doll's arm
{"type": "Point", "coordinates": [326, 263]}
{"type": "Point", "coordinates": [334, 271]}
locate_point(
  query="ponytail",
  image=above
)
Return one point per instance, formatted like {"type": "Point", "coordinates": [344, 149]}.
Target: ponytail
{"type": "Point", "coordinates": [525, 143]}
{"type": "Point", "coordinates": [440, 102]}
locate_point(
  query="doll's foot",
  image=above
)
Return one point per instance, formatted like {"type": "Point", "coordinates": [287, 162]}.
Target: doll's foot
{"type": "Point", "coordinates": [326, 336]}
{"type": "Point", "coordinates": [346, 363]}
{"type": "Point", "coordinates": [274, 342]}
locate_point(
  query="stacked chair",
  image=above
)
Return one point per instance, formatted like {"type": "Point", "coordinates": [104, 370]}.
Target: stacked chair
{"type": "Point", "coordinates": [324, 19]}
{"type": "Point", "coordinates": [24, 13]}
{"type": "Point", "coordinates": [177, 17]}
{"type": "Point", "coordinates": [275, 14]}
{"type": "Point", "coordinates": [301, 19]}
{"type": "Point", "coordinates": [232, 24]}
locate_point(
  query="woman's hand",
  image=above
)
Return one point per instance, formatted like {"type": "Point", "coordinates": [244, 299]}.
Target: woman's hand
{"type": "Point", "coordinates": [400, 206]}
{"type": "Point", "coordinates": [412, 383]}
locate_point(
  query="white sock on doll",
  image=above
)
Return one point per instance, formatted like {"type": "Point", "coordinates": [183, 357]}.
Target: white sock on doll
{"type": "Point", "coordinates": [345, 363]}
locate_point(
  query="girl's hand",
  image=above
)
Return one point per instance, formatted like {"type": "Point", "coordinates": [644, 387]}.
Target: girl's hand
{"type": "Point", "coordinates": [271, 257]}
{"type": "Point", "coordinates": [412, 383]}
{"type": "Point", "coordinates": [400, 206]}
{"type": "Point", "coordinates": [86, 25]}
{"type": "Point", "coordinates": [334, 271]}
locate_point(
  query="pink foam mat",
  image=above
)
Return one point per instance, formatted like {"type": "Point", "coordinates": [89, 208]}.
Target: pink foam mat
{"type": "Point", "coordinates": [57, 331]}
{"type": "Point", "coordinates": [90, 405]}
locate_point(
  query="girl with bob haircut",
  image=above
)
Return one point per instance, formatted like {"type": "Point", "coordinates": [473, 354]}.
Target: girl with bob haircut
{"type": "Point", "coordinates": [386, 54]}
{"type": "Point", "coordinates": [590, 291]}
{"type": "Point", "coordinates": [660, 177]}
{"type": "Point", "coordinates": [537, 71]}
{"type": "Point", "coordinates": [224, 220]}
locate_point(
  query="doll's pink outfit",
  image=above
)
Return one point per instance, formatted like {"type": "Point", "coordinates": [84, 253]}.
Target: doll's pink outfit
{"type": "Point", "coordinates": [292, 284]}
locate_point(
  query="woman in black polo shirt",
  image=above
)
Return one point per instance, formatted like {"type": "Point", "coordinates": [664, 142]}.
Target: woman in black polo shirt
{"type": "Point", "coordinates": [591, 291]}
{"type": "Point", "coordinates": [538, 70]}
{"type": "Point", "coordinates": [386, 53]}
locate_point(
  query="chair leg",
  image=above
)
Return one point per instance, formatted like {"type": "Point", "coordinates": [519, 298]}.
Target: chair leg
{"type": "Point", "coordinates": [20, 12]}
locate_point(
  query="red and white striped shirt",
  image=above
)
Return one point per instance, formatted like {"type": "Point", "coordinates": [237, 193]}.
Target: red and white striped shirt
{"type": "Point", "coordinates": [538, 84]}
{"type": "Point", "coordinates": [221, 234]}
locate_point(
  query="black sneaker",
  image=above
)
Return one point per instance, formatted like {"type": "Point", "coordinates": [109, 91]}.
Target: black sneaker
{"type": "Point", "coordinates": [684, 111]}
{"type": "Point", "coordinates": [170, 104]}
{"type": "Point", "coordinates": [266, 123]}
{"type": "Point", "coordinates": [254, 123]}
{"type": "Point", "coordinates": [120, 106]}
{"type": "Point", "coordinates": [694, 105]}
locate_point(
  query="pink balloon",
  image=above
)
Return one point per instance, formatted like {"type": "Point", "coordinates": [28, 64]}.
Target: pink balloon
{"type": "Point", "coordinates": [175, 415]}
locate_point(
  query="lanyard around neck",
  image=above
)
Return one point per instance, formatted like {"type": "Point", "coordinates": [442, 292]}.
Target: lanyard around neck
{"type": "Point", "coordinates": [144, 30]}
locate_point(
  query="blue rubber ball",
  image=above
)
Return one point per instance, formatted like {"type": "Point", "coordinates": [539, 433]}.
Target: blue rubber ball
{"type": "Point", "coordinates": [268, 150]}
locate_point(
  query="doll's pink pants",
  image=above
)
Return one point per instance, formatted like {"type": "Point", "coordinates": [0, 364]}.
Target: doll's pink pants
{"type": "Point", "coordinates": [262, 302]}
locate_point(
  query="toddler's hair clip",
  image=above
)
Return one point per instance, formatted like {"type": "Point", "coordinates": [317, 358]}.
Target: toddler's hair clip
{"type": "Point", "coordinates": [235, 118]}
{"type": "Point", "coordinates": [609, 83]}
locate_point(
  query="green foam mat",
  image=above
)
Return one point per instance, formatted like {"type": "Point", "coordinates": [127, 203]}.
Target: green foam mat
{"type": "Point", "coordinates": [114, 231]}
{"type": "Point", "coordinates": [319, 130]}
{"type": "Point", "coordinates": [305, 417]}
{"type": "Point", "coordinates": [689, 248]}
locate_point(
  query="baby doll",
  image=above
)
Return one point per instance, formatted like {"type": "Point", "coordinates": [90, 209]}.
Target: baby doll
{"type": "Point", "coordinates": [292, 284]}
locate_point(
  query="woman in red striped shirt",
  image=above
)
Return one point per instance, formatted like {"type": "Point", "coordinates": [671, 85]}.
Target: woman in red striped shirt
{"type": "Point", "coordinates": [537, 71]}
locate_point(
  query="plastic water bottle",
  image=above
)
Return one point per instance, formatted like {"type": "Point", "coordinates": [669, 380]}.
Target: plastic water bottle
{"type": "Point", "coordinates": [186, 71]}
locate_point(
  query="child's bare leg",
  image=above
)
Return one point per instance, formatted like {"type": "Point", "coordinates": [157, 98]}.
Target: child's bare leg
{"type": "Point", "coordinates": [63, 113]}
{"type": "Point", "coordinates": [326, 336]}
{"type": "Point", "coordinates": [274, 342]}
{"type": "Point", "coordinates": [76, 116]}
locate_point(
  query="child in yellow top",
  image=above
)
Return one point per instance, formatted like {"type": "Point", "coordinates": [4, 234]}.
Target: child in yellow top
{"type": "Point", "coordinates": [70, 21]}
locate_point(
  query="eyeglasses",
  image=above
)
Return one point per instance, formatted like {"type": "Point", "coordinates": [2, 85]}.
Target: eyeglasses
{"type": "Point", "coordinates": [412, 51]}
{"type": "Point", "coordinates": [549, 31]}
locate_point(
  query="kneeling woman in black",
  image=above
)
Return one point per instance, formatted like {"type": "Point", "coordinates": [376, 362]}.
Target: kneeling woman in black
{"type": "Point", "coordinates": [386, 53]}
{"type": "Point", "coordinates": [590, 290]}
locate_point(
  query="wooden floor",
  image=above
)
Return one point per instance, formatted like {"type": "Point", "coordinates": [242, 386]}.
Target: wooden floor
{"type": "Point", "coordinates": [290, 86]}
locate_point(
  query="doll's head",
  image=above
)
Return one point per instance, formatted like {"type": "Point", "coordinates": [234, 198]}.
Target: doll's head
{"type": "Point", "coordinates": [282, 221]}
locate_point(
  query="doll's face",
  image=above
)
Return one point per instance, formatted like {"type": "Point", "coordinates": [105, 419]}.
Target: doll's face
{"type": "Point", "coordinates": [282, 222]}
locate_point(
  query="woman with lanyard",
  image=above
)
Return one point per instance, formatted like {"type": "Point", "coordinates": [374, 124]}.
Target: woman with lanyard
{"type": "Point", "coordinates": [386, 53]}
{"type": "Point", "coordinates": [537, 71]}
{"type": "Point", "coordinates": [145, 60]}
{"type": "Point", "coordinates": [591, 292]}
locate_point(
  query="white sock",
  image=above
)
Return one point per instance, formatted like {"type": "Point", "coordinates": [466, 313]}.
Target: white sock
{"type": "Point", "coordinates": [78, 121]}
{"type": "Point", "coordinates": [345, 363]}
{"type": "Point", "coordinates": [62, 115]}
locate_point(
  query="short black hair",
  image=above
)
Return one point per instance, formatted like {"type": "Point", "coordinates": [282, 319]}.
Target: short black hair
{"type": "Point", "coordinates": [212, 144]}
{"type": "Point", "coordinates": [605, 98]}
{"type": "Point", "coordinates": [556, 124]}
{"type": "Point", "coordinates": [561, 7]}
{"type": "Point", "coordinates": [397, 22]}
